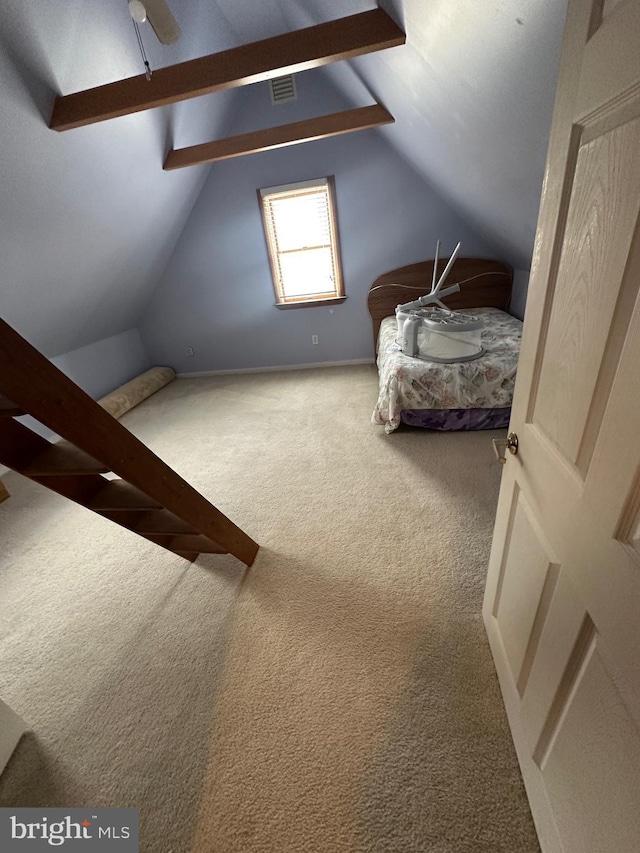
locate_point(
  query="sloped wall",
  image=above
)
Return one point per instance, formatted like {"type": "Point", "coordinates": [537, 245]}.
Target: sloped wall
{"type": "Point", "coordinates": [473, 92]}
{"type": "Point", "coordinates": [87, 217]}
{"type": "Point", "coordinates": [216, 294]}
{"type": "Point", "coordinates": [101, 367]}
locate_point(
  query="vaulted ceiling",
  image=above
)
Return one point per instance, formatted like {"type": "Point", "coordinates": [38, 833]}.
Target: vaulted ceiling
{"type": "Point", "coordinates": [88, 219]}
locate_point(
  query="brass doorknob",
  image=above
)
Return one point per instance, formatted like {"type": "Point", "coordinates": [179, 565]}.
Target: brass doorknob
{"type": "Point", "coordinates": [509, 443]}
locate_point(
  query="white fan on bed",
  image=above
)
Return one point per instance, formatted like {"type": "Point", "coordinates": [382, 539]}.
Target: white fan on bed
{"type": "Point", "coordinates": [436, 333]}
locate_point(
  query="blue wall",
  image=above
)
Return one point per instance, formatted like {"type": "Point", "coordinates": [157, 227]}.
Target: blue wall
{"type": "Point", "coordinates": [519, 294]}
{"type": "Point", "coordinates": [216, 294]}
{"type": "Point", "coordinates": [473, 92]}
{"type": "Point", "coordinates": [100, 367]}
{"type": "Point", "coordinates": [88, 218]}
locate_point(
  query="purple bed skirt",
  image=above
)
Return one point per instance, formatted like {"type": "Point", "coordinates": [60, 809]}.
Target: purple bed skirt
{"type": "Point", "coordinates": [457, 419]}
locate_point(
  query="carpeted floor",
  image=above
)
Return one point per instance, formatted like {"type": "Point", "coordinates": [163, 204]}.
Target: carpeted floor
{"type": "Point", "coordinates": [338, 696]}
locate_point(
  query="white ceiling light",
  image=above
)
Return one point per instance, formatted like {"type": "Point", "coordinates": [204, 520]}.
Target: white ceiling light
{"type": "Point", "coordinates": [138, 11]}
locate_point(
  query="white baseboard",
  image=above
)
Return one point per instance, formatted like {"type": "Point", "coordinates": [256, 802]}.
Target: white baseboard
{"type": "Point", "coordinates": [275, 368]}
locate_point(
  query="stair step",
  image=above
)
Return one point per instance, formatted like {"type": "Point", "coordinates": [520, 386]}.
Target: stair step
{"type": "Point", "coordinates": [9, 409]}
{"type": "Point", "coordinates": [100, 494]}
{"type": "Point", "coordinates": [63, 460]}
{"type": "Point", "coordinates": [29, 380]}
{"type": "Point", "coordinates": [158, 521]}
{"type": "Point", "coordinates": [120, 496]}
{"type": "Point", "coordinates": [188, 555]}
{"type": "Point", "coordinates": [32, 455]}
{"type": "Point", "coordinates": [186, 542]}
{"type": "Point", "coordinates": [121, 503]}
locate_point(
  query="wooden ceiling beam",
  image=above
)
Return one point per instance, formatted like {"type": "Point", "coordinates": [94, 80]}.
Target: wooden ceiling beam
{"type": "Point", "coordinates": [332, 41]}
{"type": "Point", "coordinates": [277, 137]}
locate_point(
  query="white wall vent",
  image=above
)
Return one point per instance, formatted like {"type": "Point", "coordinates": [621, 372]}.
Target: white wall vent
{"type": "Point", "coordinates": [282, 89]}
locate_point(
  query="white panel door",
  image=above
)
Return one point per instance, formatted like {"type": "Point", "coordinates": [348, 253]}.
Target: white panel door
{"type": "Point", "coordinates": [562, 602]}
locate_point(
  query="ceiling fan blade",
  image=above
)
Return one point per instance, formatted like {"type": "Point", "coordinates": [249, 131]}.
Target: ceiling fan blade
{"type": "Point", "coordinates": [161, 19]}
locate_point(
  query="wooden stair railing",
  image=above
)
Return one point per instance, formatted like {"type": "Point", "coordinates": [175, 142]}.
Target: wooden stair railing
{"type": "Point", "coordinates": [150, 499]}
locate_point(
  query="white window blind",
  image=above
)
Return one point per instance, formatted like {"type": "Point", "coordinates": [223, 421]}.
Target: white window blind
{"type": "Point", "coordinates": [301, 235]}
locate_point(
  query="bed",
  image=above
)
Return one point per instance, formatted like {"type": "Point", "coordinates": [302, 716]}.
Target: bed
{"type": "Point", "coordinates": [468, 395]}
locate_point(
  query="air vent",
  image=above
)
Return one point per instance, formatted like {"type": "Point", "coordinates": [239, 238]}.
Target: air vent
{"type": "Point", "coordinates": [282, 89]}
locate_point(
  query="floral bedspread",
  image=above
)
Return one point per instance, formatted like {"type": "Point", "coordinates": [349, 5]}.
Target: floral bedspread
{"type": "Point", "coordinates": [485, 383]}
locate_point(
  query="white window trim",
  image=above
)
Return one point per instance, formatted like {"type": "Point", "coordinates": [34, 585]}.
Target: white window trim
{"type": "Point", "coordinates": [333, 298]}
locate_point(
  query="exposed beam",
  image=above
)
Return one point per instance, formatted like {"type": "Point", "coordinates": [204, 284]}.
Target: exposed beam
{"type": "Point", "coordinates": [277, 137]}
{"type": "Point", "coordinates": [344, 38]}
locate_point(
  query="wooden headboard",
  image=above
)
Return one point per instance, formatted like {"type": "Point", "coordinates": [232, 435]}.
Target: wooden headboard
{"type": "Point", "coordinates": [486, 284]}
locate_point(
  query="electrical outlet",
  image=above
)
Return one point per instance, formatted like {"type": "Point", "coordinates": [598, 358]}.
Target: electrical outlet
{"type": "Point", "coordinates": [188, 351]}
{"type": "Point", "coordinates": [314, 339]}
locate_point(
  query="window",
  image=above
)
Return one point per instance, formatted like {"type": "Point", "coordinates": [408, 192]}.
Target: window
{"type": "Point", "coordinates": [302, 237]}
